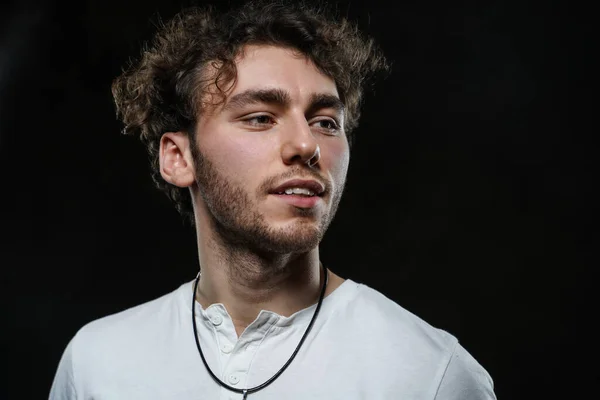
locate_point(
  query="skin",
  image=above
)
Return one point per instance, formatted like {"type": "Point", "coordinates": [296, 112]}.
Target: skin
{"type": "Point", "coordinates": [256, 251]}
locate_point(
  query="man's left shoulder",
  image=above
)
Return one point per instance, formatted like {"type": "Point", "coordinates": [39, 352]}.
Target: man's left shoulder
{"type": "Point", "coordinates": [433, 353]}
{"type": "Point", "coordinates": [465, 378]}
{"type": "Point", "coordinates": [398, 324]}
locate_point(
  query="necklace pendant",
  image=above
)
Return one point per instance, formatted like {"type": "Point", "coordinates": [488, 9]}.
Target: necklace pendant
{"type": "Point", "coordinates": [245, 394]}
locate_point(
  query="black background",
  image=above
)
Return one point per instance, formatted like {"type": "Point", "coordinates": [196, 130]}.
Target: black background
{"type": "Point", "coordinates": [469, 198]}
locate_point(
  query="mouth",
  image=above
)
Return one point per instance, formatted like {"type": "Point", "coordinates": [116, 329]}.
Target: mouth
{"type": "Point", "coordinates": [298, 200]}
{"type": "Point", "coordinates": [300, 193]}
{"type": "Point", "coordinates": [300, 187]}
{"type": "Point", "coordinates": [297, 192]}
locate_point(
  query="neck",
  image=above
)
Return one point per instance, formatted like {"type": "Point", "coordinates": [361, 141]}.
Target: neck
{"type": "Point", "coordinates": [246, 282]}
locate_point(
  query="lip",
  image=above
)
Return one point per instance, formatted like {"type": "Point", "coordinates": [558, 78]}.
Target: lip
{"type": "Point", "coordinates": [316, 187]}
{"type": "Point", "coordinates": [299, 201]}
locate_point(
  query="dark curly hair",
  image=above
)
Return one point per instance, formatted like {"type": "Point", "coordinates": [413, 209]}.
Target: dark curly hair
{"type": "Point", "coordinates": [162, 91]}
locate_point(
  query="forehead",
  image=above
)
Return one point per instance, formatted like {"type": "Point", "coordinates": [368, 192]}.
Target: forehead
{"type": "Point", "coordinates": [271, 67]}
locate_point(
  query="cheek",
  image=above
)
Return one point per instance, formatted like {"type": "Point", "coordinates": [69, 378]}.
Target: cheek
{"type": "Point", "coordinates": [338, 161]}
{"type": "Point", "coordinates": [241, 160]}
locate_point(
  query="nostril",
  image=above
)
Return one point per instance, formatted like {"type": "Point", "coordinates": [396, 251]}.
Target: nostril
{"type": "Point", "coordinates": [316, 157]}
{"type": "Point", "coordinates": [301, 153]}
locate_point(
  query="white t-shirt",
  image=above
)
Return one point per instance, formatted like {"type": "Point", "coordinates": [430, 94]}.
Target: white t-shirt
{"type": "Point", "coordinates": [362, 346]}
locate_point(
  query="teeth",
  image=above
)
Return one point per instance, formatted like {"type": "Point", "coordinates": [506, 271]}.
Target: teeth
{"type": "Point", "coordinates": [303, 191]}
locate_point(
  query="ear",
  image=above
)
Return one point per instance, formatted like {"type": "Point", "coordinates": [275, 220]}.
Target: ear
{"type": "Point", "coordinates": [175, 159]}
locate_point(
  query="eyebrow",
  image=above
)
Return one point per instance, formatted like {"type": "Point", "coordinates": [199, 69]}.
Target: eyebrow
{"type": "Point", "coordinates": [319, 101]}
{"type": "Point", "coordinates": [256, 96]}
{"type": "Point", "coordinates": [282, 98]}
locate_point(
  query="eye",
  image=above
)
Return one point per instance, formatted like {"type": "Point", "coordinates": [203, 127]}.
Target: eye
{"type": "Point", "coordinates": [260, 120]}
{"type": "Point", "coordinates": [328, 125]}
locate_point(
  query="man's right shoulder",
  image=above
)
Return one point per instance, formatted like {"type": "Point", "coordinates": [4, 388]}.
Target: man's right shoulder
{"type": "Point", "coordinates": [125, 329]}
{"type": "Point", "coordinates": [111, 347]}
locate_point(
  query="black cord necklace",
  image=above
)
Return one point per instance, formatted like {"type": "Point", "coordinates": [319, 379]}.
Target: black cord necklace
{"type": "Point", "coordinates": [265, 384]}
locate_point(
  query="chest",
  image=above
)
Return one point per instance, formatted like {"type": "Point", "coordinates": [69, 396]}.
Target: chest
{"type": "Point", "coordinates": [327, 372]}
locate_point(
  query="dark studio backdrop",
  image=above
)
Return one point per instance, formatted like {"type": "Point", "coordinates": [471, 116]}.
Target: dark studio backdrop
{"type": "Point", "coordinates": [469, 198]}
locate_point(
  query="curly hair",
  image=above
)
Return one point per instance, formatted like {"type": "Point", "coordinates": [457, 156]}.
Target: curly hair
{"type": "Point", "coordinates": [162, 91]}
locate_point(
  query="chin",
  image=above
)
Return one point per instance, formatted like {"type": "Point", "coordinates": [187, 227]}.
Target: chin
{"type": "Point", "coordinates": [297, 239]}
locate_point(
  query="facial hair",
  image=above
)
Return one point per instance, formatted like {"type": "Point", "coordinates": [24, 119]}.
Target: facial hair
{"type": "Point", "coordinates": [236, 217]}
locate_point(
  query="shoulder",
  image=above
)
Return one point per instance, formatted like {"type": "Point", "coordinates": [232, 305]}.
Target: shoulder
{"type": "Point", "coordinates": [138, 318]}
{"type": "Point", "coordinates": [431, 353]}
{"type": "Point", "coordinates": [130, 332]}
{"type": "Point", "coordinates": [111, 348]}
{"type": "Point", "coordinates": [399, 324]}
{"type": "Point", "coordinates": [465, 378]}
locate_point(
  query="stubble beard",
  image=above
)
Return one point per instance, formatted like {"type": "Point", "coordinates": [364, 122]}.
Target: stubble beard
{"type": "Point", "coordinates": [238, 223]}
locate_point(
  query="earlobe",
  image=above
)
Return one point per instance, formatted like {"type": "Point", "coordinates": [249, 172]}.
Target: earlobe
{"type": "Point", "coordinates": [175, 159]}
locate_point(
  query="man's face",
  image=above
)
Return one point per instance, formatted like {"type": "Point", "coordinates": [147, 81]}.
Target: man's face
{"type": "Point", "coordinates": [281, 122]}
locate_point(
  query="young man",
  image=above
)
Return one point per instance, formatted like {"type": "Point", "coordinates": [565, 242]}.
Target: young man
{"type": "Point", "coordinates": [247, 117]}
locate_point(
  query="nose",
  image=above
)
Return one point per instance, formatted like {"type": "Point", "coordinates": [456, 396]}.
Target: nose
{"type": "Point", "coordinates": [300, 146]}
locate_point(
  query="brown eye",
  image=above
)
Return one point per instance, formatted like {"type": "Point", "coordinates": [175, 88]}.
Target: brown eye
{"type": "Point", "coordinates": [259, 120]}
{"type": "Point", "coordinates": [327, 125]}
{"type": "Point", "coordinates": [262, 119]}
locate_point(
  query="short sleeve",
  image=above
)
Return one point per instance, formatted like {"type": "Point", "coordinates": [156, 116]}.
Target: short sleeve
{"type": "Point", "coordinates": [465, 379]}
{"type": "Point", "coordinates": [63, 386]}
